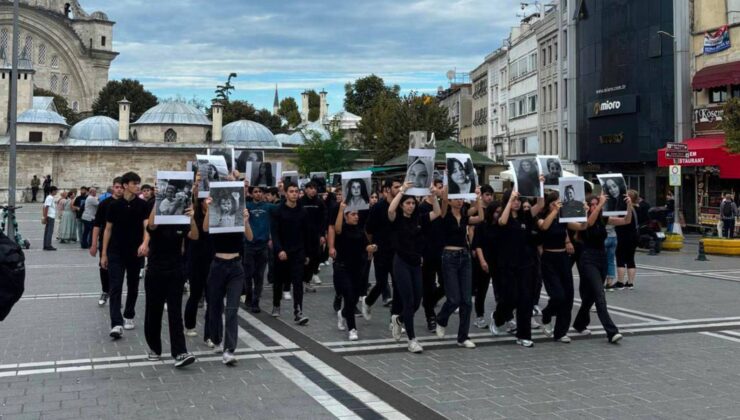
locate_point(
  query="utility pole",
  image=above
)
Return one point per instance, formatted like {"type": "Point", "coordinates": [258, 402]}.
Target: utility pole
{"type": "Point", "coordinates": [12, 117]}
{"type": "Point", "coordinates": [682, 91]}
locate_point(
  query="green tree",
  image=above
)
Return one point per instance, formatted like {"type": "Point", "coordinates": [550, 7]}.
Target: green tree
{"type": "Point", "coordinates": [236, 110]}
{"type": "Point", "coordinates": [61, 104]}
{"type": "Point", "coordinates": [289, 110]}
{"type": "Point", "coordinates": [317, 155]}
{"type": "Point", "coordinates": [115, 90]}
{"type": "Point", "coordinates": [273, 122]}
{"type": "Point", "coordinates": [224, 91]}
{"type": "Point", "coordinates": [361, 95]}
{"type": "Point", "coordinates": [314, 105]}
{"type": "Point", "coordinates": [731, 124]}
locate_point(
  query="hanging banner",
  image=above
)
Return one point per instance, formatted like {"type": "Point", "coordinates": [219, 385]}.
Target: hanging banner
{"type": "Point", "coordinates": [717, 41]}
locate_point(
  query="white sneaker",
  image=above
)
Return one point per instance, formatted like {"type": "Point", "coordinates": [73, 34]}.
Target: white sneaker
{"type": "Point", "coordinates": [534, 324]}
{"type": "Point", "coordinates": [547, 329]}
{"type": "Point", "coordinates": [353, 335]}
{"type": "Point", "coordinates": [116, 332]}
{"type": "Point", "coordinates": [525, 343]}
{"type": "Point", "coordinates": [536, 311]}
{"type": "Point", "coordinates": [415, 347]}
{"type": "Point", "coordinates": [616, 338]}
{"type": "Point", "coordinates": [165, 307]}
{"type": "Point", "coordinates": [564, 339]}
{"type": "Point", "coordinates": [440, 331]}
{"type": "Point", "coordinates": [468, 344]}
{"type": "Point", "coordinates": [229, 358]}
{"type": "Point", "coordinates": [128, 324]}
{"type": "Point", "coordinates": [395, 328]}
{"type": "Point", "coordinates": [585, 331]}
{"type": "Point", "coordinates": [480, 322]}
{"type": "Point", "coordinates": [287, 296]}
{"type": "Point", "coordinates": [341, 322]}
{"type": "Point", "coordinates": [191, 332]}
{"type": "Point", "coordinates": [495, 330]}
{"type": "Point", "coordinates": [457, 311]}
{"type": "Point", "coordinates": [365, 309]}
{"type": "Point", "coordinates": [210, 344]}
{"type": "Point", "coordinates": [316, 280]}
{"type": "Point", "coordinates": [511, 327]}
{"type": "Point", "coordinates": [103, 299]}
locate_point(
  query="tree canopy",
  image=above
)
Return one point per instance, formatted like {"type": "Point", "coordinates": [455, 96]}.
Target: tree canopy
{"type": "Point", "coordinates": [240, 109]}
{"type": "Point", "coordinates": [362, 94]}
{"type": "Point", "coordinates": [115, 90]}
{"type": "Point", "coordinates": [731, 124]}
{"type": "Point", "coordinates": [314, 105]}
{"type": "Point", "coordinates": [289, 110]}
{"type": "Point", "coordinates": [331, 155]}
{"type": "Point", "coordinates": [61, 104]}
{"type": "Point", "coordinates": [224, 91]}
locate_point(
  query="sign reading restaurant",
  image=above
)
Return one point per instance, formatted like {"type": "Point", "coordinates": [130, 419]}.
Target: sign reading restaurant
{"type": "Point", "coordinates": [617, 105]}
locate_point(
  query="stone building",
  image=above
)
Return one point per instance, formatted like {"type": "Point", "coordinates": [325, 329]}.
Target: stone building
{"type": "Point", "coordinates": [458, 101]}
{"type": "Point", "coordinates": [479, 131]}
{"type": "Point", "coordinates": [522, 86]}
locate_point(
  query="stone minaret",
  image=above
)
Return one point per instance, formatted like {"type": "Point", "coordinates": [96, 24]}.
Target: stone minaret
{"type": "Point", "coordinates": [124, 116]}
{"type": "Point", "coordinates": [323, 107]}
{"type": "Point", "coordinates": [275, 103]}
{"type": "Point", "coordinates": [304, 106]}
{"type": "Point", "coordinates": [217, 114]}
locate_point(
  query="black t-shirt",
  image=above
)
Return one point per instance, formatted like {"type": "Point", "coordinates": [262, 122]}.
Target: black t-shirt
{"type": "Point", "coordinates": [379, 226]}
{"type": "Point", "coordinates": [594, 236]}
{"type": "Point", "coordinates": [627, 232]}
{"type": "Point", "coordinates": [434, 240]}
{"type": "Point", "coordinates": [518, 242]}
{"type": "Point", "coordinates": [408, 236]}
{"type": "Point", "coordinates": [454, 233]}
{"type": "Point", "coordinates": [289, 228]}
{"type": "Point", "coordinates": [487, 237]}
{"type": "Point", "coordinates": [127, 218]}
{"type": "Point", "coordinates": [165, 246]}
{"type": "Point", "coordinates": [80, 203]}
{"type": "Point", "coordinates": [351, 246]}
{"type": "Point", "coordinates": [100, 216]}
{"type": "Point", "coordinates": [227, 243]}
{"type": "Point", "coordinates": [202, 248]}
{"type": "Point", "coordinates": [554, 236]}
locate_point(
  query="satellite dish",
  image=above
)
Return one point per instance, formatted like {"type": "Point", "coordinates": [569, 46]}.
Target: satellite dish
{"type": "Point", "coordinates": [451, 74]}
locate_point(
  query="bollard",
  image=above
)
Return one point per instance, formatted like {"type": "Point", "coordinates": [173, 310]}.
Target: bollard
{"type": "Point", "coordinates": [702, 256]}
{"type": "Point", "coordinates": [651, 246]}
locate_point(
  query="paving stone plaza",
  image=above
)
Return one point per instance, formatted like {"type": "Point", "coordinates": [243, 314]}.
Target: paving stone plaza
{"type": "Point", "coordinates": [678, 358]}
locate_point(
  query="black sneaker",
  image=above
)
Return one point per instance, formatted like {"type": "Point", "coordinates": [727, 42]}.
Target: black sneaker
{"type": "Point", "coordinates": [153, 357]}
{"type": "Point", "coordinates": [184, 359]}
{"type": "Point", "coordinates": [300, 319]}
{"type": "Point", "coordinates": [609, 287]}
{"type": "Point", "coordinates": [629, 286]}
{"type": "Point", "coordinates": [337, 303]}
{"type": "Point", "coordinates": [255, 309]}
{"type": "Point", "coordinates": [432, 324]}
{"type": "Point", "coordinates": [618, 286]}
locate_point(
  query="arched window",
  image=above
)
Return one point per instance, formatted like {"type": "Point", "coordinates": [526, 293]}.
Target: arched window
{"type": "Point", "coordinates": [28, 48]}
{"type": "Point", "coordinates": [170, 136]}
{"type": "Point", "coordinates": [134, 135]}
{"type": "Point", "coordinates": [53, 82]}
{"type": "Point", "coordinates": [42, 54]}
{"type": "Point", "coordinates": [209, 137]}
{"type": "Point", "coordinates": [4, 40]}
{"type": "Point", "coordinates": [65, 84]}
{"type": "Point", "coordinates": [55, 61]}
{"type": "Point", "coordinates": [75, 106]}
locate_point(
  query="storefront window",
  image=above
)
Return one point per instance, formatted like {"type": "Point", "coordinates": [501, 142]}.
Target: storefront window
{"type": "Point", "coordinates": [718, 94]}
{"type": "Point", "coordinates": [736, 91]}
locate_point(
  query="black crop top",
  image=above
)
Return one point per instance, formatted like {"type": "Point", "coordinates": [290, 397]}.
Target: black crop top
{"type": "Point", "coordinates": [227, 243]}
{"type": "Point", "coordinates": [554, 236]}
{"type": "Point", "coordinates": [454, 233]}
{"type": "Point", "coordinates": [594, 236]}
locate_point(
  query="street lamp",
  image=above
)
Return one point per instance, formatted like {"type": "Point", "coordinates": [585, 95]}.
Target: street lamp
{"type": "Point", "coordinates": [13, 116]}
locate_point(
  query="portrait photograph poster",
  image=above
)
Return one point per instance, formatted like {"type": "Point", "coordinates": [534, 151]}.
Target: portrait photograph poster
{"type": "Point", "coordinates": [551, 168]}
{"type": "Point", "coordinates": [225, 210]}
{"type": "Point", "coordinates": [573, 197]}
{"type": "Point", "coordinates": [320, 179]}
{"type": "Point", "coordinates": [615, 189]}
{"type": "Point", "coordinates": [247, 155]}
{"type": "Point", "coordinates": [419, 140]}
{"type": "Point", "coordinates": [174, 195]}
{"type": "Point", "coordinates": [227, 153]}
{"type": "Point", "coordinates": [212, 168]}
{"type": "Point", "coordinates": [420, 171]}
{"type": "Point", "coordinates": [461, 179]}
{"type": "Point", "coordinates": [336, 180]}
{"type": "Point", "coordinates": [527, 177]}
{"type": "Point", "coordinates": [356, 190]}
{"type": "Point", "coordinates": [262, 174]}
{"type": "Point", "coordinates": [289, 177]}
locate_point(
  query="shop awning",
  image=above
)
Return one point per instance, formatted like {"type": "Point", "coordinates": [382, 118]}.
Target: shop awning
{"type": "Point", "coordinates": [707, 151]}
{"type": "Point", "coordinates": [719, 75]}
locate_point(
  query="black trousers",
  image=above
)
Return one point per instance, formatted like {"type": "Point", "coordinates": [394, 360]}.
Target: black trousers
{"type": "Point", "coordinates": [517, 284]}
{"type": "Point", "coordinates": [558, 279]}
{"type": "Point", "coordinates": [255, 262]}
{"type": "Point", "coordinates": [592, 272]}
{"type": "Point", "coordinates": [407, 279]}
{"type": "Point", "coordinates": [118, 267]}
{"type": "Point", "coordinates": [432, 284]}
{"type": "Point", "coordinates": [164, 286]}
{"type": "Point", "coordinates": [348, 280]}
{"type": "Point", "coordinates": [289, 272]}
{"type": "Point", "coordinates": [199, 267]}
{"type": "Point", "coordinates": [481, 280]}
{"type": "Point", "coordinates": [225, 280]}
{"type": "Point", "coordinates": [34, 191]}
{"type": "Point", "coordinates": [383, 262]}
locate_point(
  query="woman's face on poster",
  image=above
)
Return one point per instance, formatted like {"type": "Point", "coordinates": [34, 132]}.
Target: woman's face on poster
{"type": "Point", "coordinates": [170, 192]}
{"type": "Point", "coordinates": [612, 188]}
{"type": "Point", "coordinates": [457, 173]}
{"type": "Point", "coordinates": [526, 166]}
{"type": "Point", "coordinates": [570, 194]}
{"type": "Point", "coordinates": [554, 168]}
{"type": "Point", "coordinates": [253, 157]}
{"type": "Point", "coordinates": [263, 169]}
{"type": "Point", "coordinates": [418, 172]}
{"type": "Point", "coordinates": [355, 189]}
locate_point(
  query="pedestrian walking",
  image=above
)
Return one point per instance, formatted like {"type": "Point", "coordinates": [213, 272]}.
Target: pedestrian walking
{"type": "Point", "coordinates": [47, 186]}
{"type": "Point", "coordinates": [88, 217]}
{"type": "Point", "coordinates": [201, 255]}
{"type": "Point", "coordinates": [35, 184]}
{"type": "Point", "coordinates": [431, 265]}
{"type": "Point", "coordinates": [315, 235]}
{"type": "Point", "coordinates": [48, 217]}
{"type": "Point", "coordinates": [115, 192]}
{"type": "Point", "coordinates": [627, 238]}
{"type": "Point", "coordinates": [728, 213]}
{"type": "Point", "coordinates": [78, 207]}
{"type": "Point", "coordinates": [256, 255]}
{"type": "Point", "coordinates": [68, 226]}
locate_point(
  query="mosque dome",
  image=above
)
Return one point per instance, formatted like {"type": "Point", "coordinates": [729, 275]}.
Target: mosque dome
{"type": "Point", "coordinates": [174, 113]}
{"type": "Point", "coordinates": [95, 128]}
{"type": "Point", "coordinates": [315, 127]}
{"type": "Point", "coordinates": [98, 15]}
{"type": "Point", "coordinates": [41, 116]}
{"type": "Point", "coordinates": [249, 133]}
{"type": "Point", "coordinates": [282, 138]}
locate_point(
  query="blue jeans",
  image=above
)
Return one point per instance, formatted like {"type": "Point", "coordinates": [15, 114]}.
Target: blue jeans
{"type": "Point", "coordinates": [457, 279]}
{"type": "Point", "coordinates": [611, 248]}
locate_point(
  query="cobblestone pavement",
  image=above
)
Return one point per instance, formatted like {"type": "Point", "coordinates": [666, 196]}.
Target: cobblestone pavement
{"type": "Point", "coordinates": [678, 358]}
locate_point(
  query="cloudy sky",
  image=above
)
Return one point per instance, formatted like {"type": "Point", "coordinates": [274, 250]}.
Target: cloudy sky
{"type": "Point", "coordinates": [187, 47]}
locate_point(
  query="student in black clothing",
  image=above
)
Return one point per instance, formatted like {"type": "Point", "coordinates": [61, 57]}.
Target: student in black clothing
{"type": "Point", "coordinates": [456, 266]}
{"type": "Point", "coordinates": [164, 284]}
{"type": "Point", "coordinates": [481, 278]}
{"type": "Point", "coordinates": [123, 251]}
{"type": "Point", "coordinates": [431, 265]}
{"type": "Point", "coordinates": [225, 279]}
{"type": "Point", "coordinates": [116, 192]}
{"type": "Point", "coordinates": [517, 257]}
{"type": "Point", "coordinates": [200, 252]}
{"type": "Point", "coordinates": [486, 243]}
{"type": "Point", "coordinates": [352, 251]}
{"type": "Point", "coordinates": [407, 226]}
{"type": "Point", "coordinates": [316, 232]}
{"type": "Point", "coordinates": [289, 231]}
{"type": "Point", "coordinates": [592, 268]}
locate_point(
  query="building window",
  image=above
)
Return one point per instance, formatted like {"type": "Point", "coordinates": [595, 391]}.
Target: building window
{"type": "Point", "coordinates": [35, 136]}
{"type": "Point", "coordinates": [555, 50]}
{"type": "Point", "coordinates": [135, 135]}
{"type": "Point", "coordinates": [523, 145]}
{"type": "Point", "coordinates": [75, 106]}
{"type": "Point", "coordinates": [736, 91]}
{"type": "Point", "coordinates": [557, 93]}
{"type": "Point", "coordinates": [65, 84]}
{"type": "Point", "coordinates": [549, 54]}
{"type": "Point", "coordinates": [209, 137]}
{"type": "Point", "coordinates": [102, 41]}
{"type": "Point", "coordinates": [565, 93]}
{"type": "Point", "coordinates": [556, 143]}
{"type": "Point", "coordinates": [532, 99]}
{"type": "Point", "coordinates": [55, 61]}
{"type": "Point", "coordinates": [565, 43]}
{"type": "Point", "coordinates": [42, 54]}
{"type": "Point", "coordinates": [544, 96]}
{"type": "Point", "coordinates": [543, 58]}
{"type": "Point", "coordinates": [718, 94]}
{"type": "Point", "coordinates": [565, 143]}
{"type": "Point", "coordinates": [170, 136]}
{"type": "Point", "coordinates": [28, 48]}
{"type": "Point", "coordinates": [4, 40]}
{"type": "Point", "coordinates": [53, 82]}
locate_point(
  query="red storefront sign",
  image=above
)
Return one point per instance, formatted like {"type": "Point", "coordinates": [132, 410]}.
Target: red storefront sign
{"type": "Point", "coordinates": [706, 151]}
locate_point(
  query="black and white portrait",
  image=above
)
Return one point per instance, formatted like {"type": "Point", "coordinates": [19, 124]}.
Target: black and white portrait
{"type": "Point", "coordinates": [302, 181]}
{"type": "Point", "coordinates": [573, 197]}
{"type": "Point", "coordinates": [225, 210]}
{"type": "Point", "coordinates": [319, 178]}
{"type": "Point", "coordinates": [212, 168]}
{"type": "Point", "coordinates": [174, 195]}
{"type": "Point", "coordinates": [262, 174]}
{"type": "Point", "coordinates": [289, 177]}
{"type": "Point", "coordinates": [335, 180]}
{"type": "Point", "coordinates": [420, 140]}
{"type": "Point", "coordinates": [461, 177]}
{"type": "Point", "coordinates": [615, 188]}
{"type": "Point", "coordinates": [227, 153]}
{"type": "Point", "coordinates": [527, 177]}
{"type": "Point", "coordinates": [247, 155]}
{"type": "Point", "coordinates": [551, 168]}
{"type": "Point", "coordinates": [420, 171]}
{"type": "Point", "coordinates": [356, 190]}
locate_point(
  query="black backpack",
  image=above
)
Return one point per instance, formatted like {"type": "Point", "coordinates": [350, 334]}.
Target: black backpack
{"type": "Point", "coordinates": [12, 274]}
{"type": "Point", "coordinates": [727, 210]}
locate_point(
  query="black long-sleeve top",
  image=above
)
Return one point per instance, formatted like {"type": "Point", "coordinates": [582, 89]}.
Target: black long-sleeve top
{"type": "Point", "coordinates": [316, 215]}
{"type": "Point", "coordinates": [379, 226]}
{"type": "Point", "coordinates": [289, 228]}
